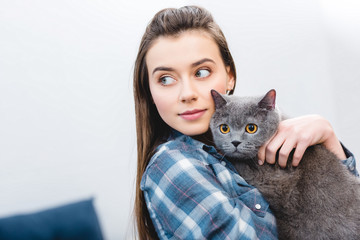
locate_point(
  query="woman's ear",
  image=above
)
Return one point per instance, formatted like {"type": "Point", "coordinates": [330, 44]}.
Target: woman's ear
{"type": "Point", "coordinates": [230, 79]}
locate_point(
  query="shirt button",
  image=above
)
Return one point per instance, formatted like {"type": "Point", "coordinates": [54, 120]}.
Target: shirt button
{"type": "Point", "coordinates": [223, 163]}
{"type": "Point", "coordinates": [352, 168]}
{"type": "Point", "coordinates": [258, 206]}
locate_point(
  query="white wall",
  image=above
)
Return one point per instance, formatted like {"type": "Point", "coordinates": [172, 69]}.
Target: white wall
{"type": "Point", "coordinates": [67, 127]}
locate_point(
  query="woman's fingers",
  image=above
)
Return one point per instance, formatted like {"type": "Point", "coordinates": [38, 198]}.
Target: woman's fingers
{"type": "Point", "coordinates": [298, 154]}
{"type": "Point", "coordinates": [285, 151]}
{"type": "Point", "coordinates": [298, 134]}
{"type": "Point", "coordinates": [273, 146]}
{"type": "Point", "coordinates": [265, 153]}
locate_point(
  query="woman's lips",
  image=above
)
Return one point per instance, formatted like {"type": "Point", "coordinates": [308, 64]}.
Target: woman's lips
{"type": "Point", "coordinates": [193, 114]}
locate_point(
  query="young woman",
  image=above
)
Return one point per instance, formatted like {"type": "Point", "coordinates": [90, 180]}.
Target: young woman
{"type": "Point", "coordinates": [185, 189]}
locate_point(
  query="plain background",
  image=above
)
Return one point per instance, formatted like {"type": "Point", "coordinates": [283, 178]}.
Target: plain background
{"type": "Point", "coordinates": [67, 126]}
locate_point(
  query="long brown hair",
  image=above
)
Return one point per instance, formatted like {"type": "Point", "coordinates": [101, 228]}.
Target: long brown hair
{"type": "Point", "coordinates": [150, 128]}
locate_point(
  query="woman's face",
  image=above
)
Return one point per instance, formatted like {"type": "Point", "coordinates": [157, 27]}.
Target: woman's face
{"type": "Point", "coordinates": [182, 70]}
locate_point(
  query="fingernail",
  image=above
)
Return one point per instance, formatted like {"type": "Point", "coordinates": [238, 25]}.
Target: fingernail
{"type": "Point", "coordinates": [260, 162]}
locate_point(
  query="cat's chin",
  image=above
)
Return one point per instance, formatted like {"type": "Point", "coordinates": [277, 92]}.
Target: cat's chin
{"type": "Point", "coordinates": [239, 156]}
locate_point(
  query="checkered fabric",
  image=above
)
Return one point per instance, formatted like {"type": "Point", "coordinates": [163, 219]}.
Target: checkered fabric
{"type": "Point", "coordinates": [192, 192]}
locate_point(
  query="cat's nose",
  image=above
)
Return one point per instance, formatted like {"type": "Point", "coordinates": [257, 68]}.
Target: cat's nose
{"type": "Point", "coordinates": [235, 143]}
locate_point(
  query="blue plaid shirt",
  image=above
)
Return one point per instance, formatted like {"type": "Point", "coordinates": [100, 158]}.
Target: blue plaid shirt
{"type": "Point", "coordinates": [192, 192]}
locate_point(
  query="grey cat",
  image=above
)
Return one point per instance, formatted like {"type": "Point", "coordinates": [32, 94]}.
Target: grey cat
{"type": "Point", "coordinates": [319, 199]}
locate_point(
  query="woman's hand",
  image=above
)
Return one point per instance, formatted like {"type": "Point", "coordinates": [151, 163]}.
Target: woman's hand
{"type": "Point", "coordinates": [299, 133]}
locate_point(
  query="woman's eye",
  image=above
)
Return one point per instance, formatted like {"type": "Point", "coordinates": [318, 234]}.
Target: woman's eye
{"type": "Point", "coordinates": [224, 128]}
{"type": "Point", "coordinates": [166, 80]}
{"type": "Point", "coordinates": [202, 73]}
{"type": "Point", "coordinates": [251, 128]}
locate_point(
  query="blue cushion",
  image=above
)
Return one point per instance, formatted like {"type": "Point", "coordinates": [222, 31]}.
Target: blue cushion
{"type": "Point", "coordinates": [74, 221]}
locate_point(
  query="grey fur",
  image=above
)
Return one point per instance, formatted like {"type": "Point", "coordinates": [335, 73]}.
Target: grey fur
{"type": "Point", "coordinates": [319, 199]}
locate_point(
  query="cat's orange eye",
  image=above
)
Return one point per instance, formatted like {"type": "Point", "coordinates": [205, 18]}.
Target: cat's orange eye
{"type": "Point", "coordinates": [251, 128]}
{"type": "Point", "coordinates": [224, 128]}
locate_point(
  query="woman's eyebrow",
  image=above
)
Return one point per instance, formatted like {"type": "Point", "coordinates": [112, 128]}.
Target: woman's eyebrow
{"type": "Point", "coordinates": [202, 61]}
{"type": "Point", "coordinates": [168, 69]}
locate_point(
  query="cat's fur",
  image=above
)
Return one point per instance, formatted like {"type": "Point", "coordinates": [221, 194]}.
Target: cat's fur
{"type": "Point", "coordinates": [319, 199]}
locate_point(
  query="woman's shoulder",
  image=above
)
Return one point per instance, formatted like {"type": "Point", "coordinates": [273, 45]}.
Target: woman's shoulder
{"type": "Point", "coordinates": [176, 156]}
{"type": "Point", "coordinates": [177, 149]}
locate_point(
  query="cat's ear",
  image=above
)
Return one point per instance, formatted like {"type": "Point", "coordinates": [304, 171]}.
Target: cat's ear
{"type": "Point", "coordinates": [219, 100]}
{"type": "Point", "coordinates": [268, 102]}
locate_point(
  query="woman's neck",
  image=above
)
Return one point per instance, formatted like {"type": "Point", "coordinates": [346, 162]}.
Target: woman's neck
{"type": "Point", "coordinates": [205, 138]}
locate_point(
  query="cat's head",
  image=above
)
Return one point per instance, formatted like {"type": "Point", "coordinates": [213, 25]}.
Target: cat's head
{"type": "Point", "coordinates": [240, 125]}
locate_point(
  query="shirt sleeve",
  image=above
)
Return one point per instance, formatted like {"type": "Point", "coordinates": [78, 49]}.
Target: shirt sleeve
{"type": "Point", "coordinates": [350, 162]}
{"type": "Point", "coordinates": [186, 201]}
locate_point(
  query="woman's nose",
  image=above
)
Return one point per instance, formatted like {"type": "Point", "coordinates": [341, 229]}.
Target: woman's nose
{"type": "Point", "coordinates": [188, 92]}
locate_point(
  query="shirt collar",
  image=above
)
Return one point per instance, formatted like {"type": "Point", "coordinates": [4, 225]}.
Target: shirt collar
{"type": "Point", "coordinates": [200, 145]}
